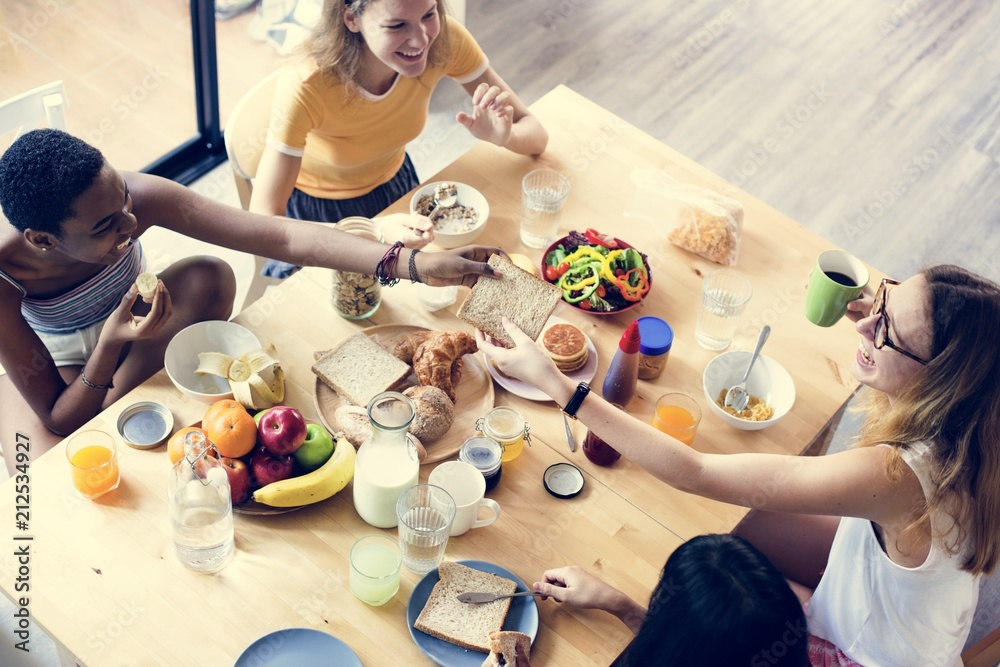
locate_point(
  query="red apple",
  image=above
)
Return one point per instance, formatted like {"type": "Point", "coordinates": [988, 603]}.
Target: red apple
{"type": "Point", "coordinates": [282, 430]}
{"type": "Point", "coordinates": [239, 479]}
{"type": "Point", "coordinates": [267, 467]}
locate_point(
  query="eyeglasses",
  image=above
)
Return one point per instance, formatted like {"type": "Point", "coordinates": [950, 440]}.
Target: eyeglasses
{"type": "Point", "coordinates": [882, 325]}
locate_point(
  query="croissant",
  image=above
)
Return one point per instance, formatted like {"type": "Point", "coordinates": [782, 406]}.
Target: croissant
{"type": "Point", "coordinates": [437, 361]}
{"type": "Point", "coordinates": [407, 347]}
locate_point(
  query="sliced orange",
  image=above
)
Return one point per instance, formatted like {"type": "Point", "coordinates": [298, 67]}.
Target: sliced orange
{"type": "Point", "coordinates": [230, 428]}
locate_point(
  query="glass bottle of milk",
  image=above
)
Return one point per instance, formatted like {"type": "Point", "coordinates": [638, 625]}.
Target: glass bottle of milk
{"type": "Point", "coordinates": [387, 461]}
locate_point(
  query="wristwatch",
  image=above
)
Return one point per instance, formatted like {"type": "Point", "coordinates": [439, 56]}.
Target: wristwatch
{"type": "Point", "coordinates": [576, 401]}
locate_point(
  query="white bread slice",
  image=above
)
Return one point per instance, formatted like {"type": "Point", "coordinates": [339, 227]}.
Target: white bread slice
{"type": "Point", "coordinates": [359, 368]}
{"type": "Point", "coordinates": [465, 625]}
{"type": "Point", "coordinates": [504, 644]}
{"type": "Point", "coordinates": [522, 297]}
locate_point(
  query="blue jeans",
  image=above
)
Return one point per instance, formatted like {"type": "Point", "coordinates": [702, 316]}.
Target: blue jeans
{"type": "Point", "coordinates": [305, 207]}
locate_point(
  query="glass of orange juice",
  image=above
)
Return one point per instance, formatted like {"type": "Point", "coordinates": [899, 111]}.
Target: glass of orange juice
{"type": "Point", "coordinates": [677, 415]}
{"type": "Point", "coordinates": [93, 458]}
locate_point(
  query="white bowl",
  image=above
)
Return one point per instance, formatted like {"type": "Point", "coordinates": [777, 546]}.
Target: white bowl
{"type": "Point", "coordinates": [467, 196]}
{"type": "Point", "coordinates": [768, 380]}
{"type": "Point", "coordinates": [181, 357]}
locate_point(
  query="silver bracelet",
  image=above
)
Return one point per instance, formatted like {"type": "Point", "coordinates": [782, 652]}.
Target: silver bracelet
{"type": "Point", "coordinates": [109, 385]}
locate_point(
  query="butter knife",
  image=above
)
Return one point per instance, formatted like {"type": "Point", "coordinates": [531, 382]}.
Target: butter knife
{"type": "Point", "coordinates": [480, 598]}
{"type": "Point", "coordinates": [569, 433]}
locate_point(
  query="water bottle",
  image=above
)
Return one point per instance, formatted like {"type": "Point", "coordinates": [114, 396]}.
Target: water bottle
{"type": "Point", "coordinates": [201, 509]}
{"type": "Point", "coordinates": [619, 383]}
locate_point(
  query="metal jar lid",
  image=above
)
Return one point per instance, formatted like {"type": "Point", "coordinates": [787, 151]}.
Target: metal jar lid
{"type": "Point", "coordinates": [482, 453]}
{"type": "Point", "coordinates": [145, 425]}
{"type": "Point", "coordinates": [563, 480]}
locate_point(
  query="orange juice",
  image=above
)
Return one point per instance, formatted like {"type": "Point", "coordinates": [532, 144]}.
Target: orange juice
{"type": "Point", "coordinates": [94, 463]}
{"type": "Point", "coordinates": [679, 422]}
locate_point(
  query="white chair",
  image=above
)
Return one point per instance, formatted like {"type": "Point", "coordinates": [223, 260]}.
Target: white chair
{"type": "Point", "coordinates": [45, 104]}
{"type": "Point", "coordinates": [246, 136]}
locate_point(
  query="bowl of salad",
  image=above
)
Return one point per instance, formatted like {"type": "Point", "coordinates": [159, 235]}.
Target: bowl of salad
{"type": "Point", "coordinates": [598, 273]}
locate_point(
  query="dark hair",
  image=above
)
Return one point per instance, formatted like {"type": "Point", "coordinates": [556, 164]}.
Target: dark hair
{"type": "Point", "coordinates": [720, 601]}
{"type": "Point", "coordinates": [41, 175]}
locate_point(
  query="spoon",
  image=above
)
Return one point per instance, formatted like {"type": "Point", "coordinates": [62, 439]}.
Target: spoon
{"type": "Point", "coordinates": [445, 195]}
{"type": "Point", "coordinates": [737, 397]}
{"type": "Point", "coordinates": [480, 598]}
{"type": "Point", "coordinates": [569, 433]}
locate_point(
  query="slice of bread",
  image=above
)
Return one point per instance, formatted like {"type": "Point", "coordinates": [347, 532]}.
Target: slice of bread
{"type": "Point", "coordinates": [522, 297]}
{"type": "Point", "coordinates": [465, 625]}
{"type": "Point", "coordinates": [359, 368]}
{"type": "Point", "coordinates": [504, 645]}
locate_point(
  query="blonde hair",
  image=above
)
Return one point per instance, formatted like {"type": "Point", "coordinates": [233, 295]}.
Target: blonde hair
{"type": "Point", "coordinates": [951, 405]}
{"type": "Point", "coordinates": [337, 51]}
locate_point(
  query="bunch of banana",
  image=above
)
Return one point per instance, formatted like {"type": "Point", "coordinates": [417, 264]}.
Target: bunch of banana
{"type": "Point", "coordinates": [243, 373]}
{"type": "Point", "coordinates": [315, 486]}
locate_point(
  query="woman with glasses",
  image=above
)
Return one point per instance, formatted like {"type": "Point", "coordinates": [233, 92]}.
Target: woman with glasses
{"type": "Point", "coordinates": [910, 517]}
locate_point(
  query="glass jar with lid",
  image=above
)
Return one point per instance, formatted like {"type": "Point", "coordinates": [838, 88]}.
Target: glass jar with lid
{"type": "Point", "coordinates": [485, 455]}
{"type": "Point", "coordinates": [656, 338]}
{"type": "Point", "coordinates": [507, 427]}
{"type": "Point", "coordinates": [357, 295]}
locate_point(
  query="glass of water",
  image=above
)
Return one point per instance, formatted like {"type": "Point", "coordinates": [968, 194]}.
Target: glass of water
{"type": "Point", "coordinates": [425, 514]}
{"type": "Point", "coordinates": [543, 194]}
{"type": "Point", "coordinates": [724, 296]}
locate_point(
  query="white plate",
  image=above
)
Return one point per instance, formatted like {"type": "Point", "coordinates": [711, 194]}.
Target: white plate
{"type": "Point", "coordinates": [525, 390]}
{"type": "Point", "coordinates": [298, 646]}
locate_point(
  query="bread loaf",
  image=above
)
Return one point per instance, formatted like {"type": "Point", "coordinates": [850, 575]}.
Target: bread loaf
{"type": "Point", "coordinates": [359, 368]}
{"type": "Point", "coordinates": [434, 412]}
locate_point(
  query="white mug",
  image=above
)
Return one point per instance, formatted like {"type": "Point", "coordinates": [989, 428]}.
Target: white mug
{"type": "Point", "coordinates": [467, 486]}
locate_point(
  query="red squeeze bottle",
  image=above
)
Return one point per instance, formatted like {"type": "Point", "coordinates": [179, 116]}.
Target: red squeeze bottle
{"type": "Point", "coordinates": [619, 383]}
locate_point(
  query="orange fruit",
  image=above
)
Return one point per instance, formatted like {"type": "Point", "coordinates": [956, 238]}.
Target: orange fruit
{"type": "Point", "coordinates": [230, 428]}
{"type": "Point", "coordinates": [175, 446]}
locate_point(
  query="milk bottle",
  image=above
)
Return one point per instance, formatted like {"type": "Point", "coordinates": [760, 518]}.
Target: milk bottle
{"type": "Point", "coordinates": [387, 462]}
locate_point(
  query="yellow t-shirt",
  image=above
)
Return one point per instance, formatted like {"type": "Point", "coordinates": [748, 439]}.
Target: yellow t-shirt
{"type": "Point", "coordinates": [350, 146]}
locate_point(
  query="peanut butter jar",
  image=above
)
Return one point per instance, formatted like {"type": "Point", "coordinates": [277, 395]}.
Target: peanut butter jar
{"type": "Point", "coordinates": [656, 338]}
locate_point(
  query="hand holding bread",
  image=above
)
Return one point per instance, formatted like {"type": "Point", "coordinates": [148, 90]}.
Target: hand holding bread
{"type": "Point", "coordinates": [526, 361]}
{"type": "Point", "coordinates": [460, 266]}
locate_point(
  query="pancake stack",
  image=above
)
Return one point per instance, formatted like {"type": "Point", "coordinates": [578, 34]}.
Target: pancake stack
{"type": "Point", "coordinates": [566, 345]}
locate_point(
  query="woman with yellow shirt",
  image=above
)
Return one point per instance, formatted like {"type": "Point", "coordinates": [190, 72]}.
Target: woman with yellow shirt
{"type": "Point", "coordinates": [342, 118]}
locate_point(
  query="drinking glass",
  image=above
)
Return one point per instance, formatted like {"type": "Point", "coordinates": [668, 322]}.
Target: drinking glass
{"type": "Point", "coordinates": [425, 514]}
{"type": "Point", "coordinates": [93, 457]}
{"type": "Point", "coordinates": [724, 295]}
{"type": "Point", "coordinates": [543, 194]}
{"type": "Point", "coordinates": [677, 415]}
{"type": "Point", "coordinates": [375, 561]}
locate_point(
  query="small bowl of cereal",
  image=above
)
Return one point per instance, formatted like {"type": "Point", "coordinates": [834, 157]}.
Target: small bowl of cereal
{"type": "Point", "coordinates": [772, 391]}
{"type": "Point", "coordinates": [456, 225]}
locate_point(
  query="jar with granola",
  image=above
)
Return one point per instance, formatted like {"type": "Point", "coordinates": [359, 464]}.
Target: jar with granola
{"type": "Point", "coordinates": [357, 295]}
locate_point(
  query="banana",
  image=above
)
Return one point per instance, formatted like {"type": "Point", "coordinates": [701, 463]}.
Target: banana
{"type": "Point", "coordinates": [243, 373]}
{"type": "Point", "coordinates": [315, 486]}
{"type": "Point", "coordinates": [146, 282]}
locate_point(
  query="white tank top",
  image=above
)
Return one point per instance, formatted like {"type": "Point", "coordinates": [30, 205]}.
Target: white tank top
{"type": "Point", "coordinates": [880, 613]}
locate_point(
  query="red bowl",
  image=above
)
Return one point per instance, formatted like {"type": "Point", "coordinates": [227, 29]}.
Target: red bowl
{"type": "Point", "coordinates": [621, 244]}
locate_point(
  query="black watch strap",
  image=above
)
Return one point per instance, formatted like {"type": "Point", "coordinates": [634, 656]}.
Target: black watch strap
{"type": "Point", "coordinates": [576, 401]}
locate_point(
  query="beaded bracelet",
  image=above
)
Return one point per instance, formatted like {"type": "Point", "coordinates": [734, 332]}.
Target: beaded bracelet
{"type": "Point", "coordinates": [414, 278]}
{"type": "Point", "coordinates": [109, 385]}
{"type": "Point", "coordinates": [386, 266]}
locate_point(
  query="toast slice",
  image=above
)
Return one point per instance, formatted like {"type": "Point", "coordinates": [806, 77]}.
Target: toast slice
{"type": "Point", "coordinates": [359, 368]}
{"type": "Point", "coordinates": [522, 297]}
{"type": "Point", "coordinates": [465, 625]}
{"type": "Point", "coordinates": [504, 645]}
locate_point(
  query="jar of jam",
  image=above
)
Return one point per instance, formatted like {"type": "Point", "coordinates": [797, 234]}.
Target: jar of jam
{"type": "Point", "coordinates": [484, 454]}
{"type": "Point", "coordinates": [656, 337]}
{"type": "Point", "coordinates": [508, 428]}
{"type": "Point", "coordinates": [599, 452]}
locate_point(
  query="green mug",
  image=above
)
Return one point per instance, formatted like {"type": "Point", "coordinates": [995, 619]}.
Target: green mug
{"type": "Point", "coordinates": [837, 278]}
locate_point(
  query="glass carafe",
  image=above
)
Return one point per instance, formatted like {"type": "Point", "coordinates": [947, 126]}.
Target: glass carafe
{"type": "Point", "coordinates": [201, 510]}
{"type": "Point", "coordinates": [387, 461]}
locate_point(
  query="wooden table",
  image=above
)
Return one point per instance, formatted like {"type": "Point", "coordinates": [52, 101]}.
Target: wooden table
{"type": "Point", "coordinates": [104, 580]}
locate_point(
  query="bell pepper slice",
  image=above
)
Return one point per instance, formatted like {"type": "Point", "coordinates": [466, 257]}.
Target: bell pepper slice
{"type": "Point", "coordinates": [597, 238]}
{"type": "Point", "coordinates": [633, 292]}
{"type": "Point", "coordinates": [608, 266]}
{"type": "Point", "coordinates": [580, 276]}
{"type": "Point", "coordinates": [583, 252]}
{"type": "Point", "coordinates": [584, 295]}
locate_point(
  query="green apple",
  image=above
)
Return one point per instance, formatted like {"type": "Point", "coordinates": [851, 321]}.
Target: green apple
{"type": "Point", "coordinates": [256, 417]}
{"type": "Point", "coordinates": [317, 448]}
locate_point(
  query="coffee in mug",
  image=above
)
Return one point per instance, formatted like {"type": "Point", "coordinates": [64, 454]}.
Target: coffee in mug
{"type": "Point", "coordinates": [836, 279]}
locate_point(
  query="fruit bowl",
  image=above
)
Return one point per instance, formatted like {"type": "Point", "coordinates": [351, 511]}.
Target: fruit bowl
{"type": "Point", "coordinates": [620, 244]}
{"type": "Point", "coordinates": [181, 358]}
{"type": "Point", "coordinates": [467, 196]}
{"type": "Point", "coordinates": [768, 380]}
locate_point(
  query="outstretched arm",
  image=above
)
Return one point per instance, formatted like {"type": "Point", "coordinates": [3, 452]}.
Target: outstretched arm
{"type": "Point", "coordinates": [498, 116]}
{"type": "Point", "coordinates": [576, 587]}
{"type": "Point", "coordinates": [276, 175]}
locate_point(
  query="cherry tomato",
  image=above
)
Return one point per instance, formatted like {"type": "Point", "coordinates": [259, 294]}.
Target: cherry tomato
{"type": "Point", "coordinates": [562, 268]}
{"type": "Point", "coordinates": [585, 304]}
{"type": "Point", "coordinates": [551, 273]}
{"type": "Point", "coordinates": [601, 292]}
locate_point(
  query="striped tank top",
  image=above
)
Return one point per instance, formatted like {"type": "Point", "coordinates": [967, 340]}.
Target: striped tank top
{"type": "Point", "coordinates": [87, 303]}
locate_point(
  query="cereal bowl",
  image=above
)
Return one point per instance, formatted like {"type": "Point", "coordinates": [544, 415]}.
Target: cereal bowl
{"type": "Point", "coordinates": [181, 358]}
{"type": "Point", "coordinates": [449, 233]}
{"type": "Point", "coordinates": [768, 380]}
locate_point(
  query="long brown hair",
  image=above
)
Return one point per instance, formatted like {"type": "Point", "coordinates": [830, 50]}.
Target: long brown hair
{"type": "Point", "coordinates": [951, 405]}
{"type": "Point", "coordinates": [337, 51]}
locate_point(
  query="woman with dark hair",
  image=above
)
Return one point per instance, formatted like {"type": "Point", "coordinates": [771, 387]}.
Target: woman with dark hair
{"type": "Point", "coordinates": [911, 514]}
{"type": "Point", "coordinates": [343, 116]}
{"type": "Point", "coordinates": [74, 337]}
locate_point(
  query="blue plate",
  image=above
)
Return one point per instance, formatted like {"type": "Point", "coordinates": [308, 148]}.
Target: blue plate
{"type": "Point", "coordinates": [522, 617]}
{"type": "Point", "coordinates": [296, 647]}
